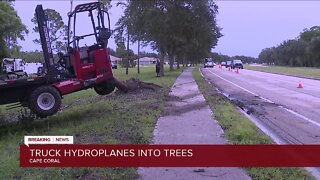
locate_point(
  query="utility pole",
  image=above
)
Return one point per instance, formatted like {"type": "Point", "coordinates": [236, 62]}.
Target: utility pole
{"type": "Point", "coordinates": [138, 56]}
{"type": "Point", "coordinates": [71, 5]}
{"type": "Point", "coordinates": [127, 64]}
{"type": "Point", "coordinates": [128, 42]}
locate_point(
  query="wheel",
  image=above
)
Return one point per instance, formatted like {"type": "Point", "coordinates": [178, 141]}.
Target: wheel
{"type": "Point", "coordinates": [45, 101]}
{"type": "Point", "coordinates": [105, 87]}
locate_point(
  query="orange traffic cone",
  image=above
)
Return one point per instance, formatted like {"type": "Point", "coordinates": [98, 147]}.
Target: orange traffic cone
{"type": "Point", "coordinates": [229, 68]}
{"type": "Point", "coordinates": [300, 85]}
{"type": "Point", "coordinates": [237, 70]}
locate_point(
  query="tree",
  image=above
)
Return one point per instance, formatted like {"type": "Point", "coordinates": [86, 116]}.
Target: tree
{"type": "Point", "coordinates": [308, 34]}
{"type": "Point", "coordinates": [112, 52]}
{"type": "Point", "coordinates": [33, 56]}
{"type": "Point", "coordinates": [204, 32]}
{"type": "Point", "coordinates": [288, 53]}
{"type": "Point", "coordinates": [245, 59]}
{"type": "Point", "coordinates": [11, 29]}
{"type": "Point", "coordinates": [312, 38]}
{"type": "Point", "coordinates": [148, 54]}
{"type": "Point", "coordinates": [106, 3]}
{"type": "Point", "coordinates": [184, 28]}
{"type": "Point", "coordinates": [58, 31]}
{"type": "Point", "coordinates": [313, 51]}
{"type": "Point", "coordinates": [122, 30]}
{"type": "Point", "coordinates": [121, 50]}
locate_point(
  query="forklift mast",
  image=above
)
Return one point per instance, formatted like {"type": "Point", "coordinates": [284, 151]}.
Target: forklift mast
{"type": "Point", "coordinates": [45, 40]}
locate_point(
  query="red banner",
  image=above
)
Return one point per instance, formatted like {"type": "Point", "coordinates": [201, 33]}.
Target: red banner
{"type": "Point", "coordinates": [170, 156]}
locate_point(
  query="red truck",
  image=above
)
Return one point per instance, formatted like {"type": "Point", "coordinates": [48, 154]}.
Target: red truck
{"type": "Point", "coordinates": [78, 69]}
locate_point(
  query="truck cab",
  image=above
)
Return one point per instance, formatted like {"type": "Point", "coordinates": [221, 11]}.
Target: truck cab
{"type": "Point", "coordinates": [14, 68]}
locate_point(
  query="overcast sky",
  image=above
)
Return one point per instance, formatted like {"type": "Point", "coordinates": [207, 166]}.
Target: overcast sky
{"type": "Point", "coordinates": [248, 26]}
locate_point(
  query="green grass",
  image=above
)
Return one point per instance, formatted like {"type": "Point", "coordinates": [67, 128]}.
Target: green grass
{"type": "Point", "coordinates": [91, 119]}
{"type": "Point", "coordinates": [296, 71]}
{"type": "Point", "coordinates": [240, 130]}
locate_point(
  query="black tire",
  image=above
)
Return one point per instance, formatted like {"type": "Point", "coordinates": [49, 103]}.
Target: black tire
{"type": "Point", "coordinates": [105, 87]}
{"type": "Point", "coordinates": [45, 101]}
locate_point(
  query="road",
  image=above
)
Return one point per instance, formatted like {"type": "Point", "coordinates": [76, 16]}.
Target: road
{"type": "Point", "coordinates": [292, 114]}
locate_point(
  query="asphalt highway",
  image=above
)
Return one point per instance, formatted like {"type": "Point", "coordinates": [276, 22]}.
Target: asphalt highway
{"type": "Point", "coordinates": [292, 113]}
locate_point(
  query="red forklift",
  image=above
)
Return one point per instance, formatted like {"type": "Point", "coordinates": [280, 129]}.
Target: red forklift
{"type": "Point", "coordinates": [78, 69]}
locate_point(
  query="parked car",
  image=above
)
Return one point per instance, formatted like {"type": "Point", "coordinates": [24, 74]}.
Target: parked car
{"type": "Point", "coordinates": [208, 63]}
{"type": "Point", "coordinates": [223, 63]}
{"type": "Point", "coordinates": [228, 64]}
{"type": "Point", "coordinates": [236, 64]}
{"type": "Point", "coordinates": [114, 66]}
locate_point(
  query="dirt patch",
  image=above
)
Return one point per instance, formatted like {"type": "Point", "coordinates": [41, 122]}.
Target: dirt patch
{"type": "Point", "coordinates": [171, 98]}
{"type": "Point", "coordinates": [251, 104]}
{"type": "Point", "coordinates": [136, 86]}
{"type": "Point", "coordinates": [136, 90]}
{"type": "Point", "coordinates": [173, 110]}
{"type": "Point", "coordinates": [189, 96]}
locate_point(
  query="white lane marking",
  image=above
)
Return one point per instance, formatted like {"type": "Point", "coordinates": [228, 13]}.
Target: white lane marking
{"type": "Point", "coordinates": [312, 170]}
{"type": "Point", "coordinates": [234, 84]}
{"type": "Point", "coordinates": [301, 116]}
{"type": "Point", "coordinates": [201, 72]}
{"type": "Point", "coordinates": [265, 99]}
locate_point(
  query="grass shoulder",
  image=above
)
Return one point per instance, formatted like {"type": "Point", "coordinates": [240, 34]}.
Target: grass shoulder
{"type": "Point", "coordinates": [313, 73]}
{"type": "Point", "coordinates": [240, 130]}
{"type": "Point", "coordinates": [92, 119]}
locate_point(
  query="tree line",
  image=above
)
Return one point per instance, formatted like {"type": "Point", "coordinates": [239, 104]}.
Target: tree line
{"type": "Point", "coordinates": [12, 29]}
{"type": "Point", "coordinates": [301, 51]}
{"type": "Point", "coordinates": [217, 57]}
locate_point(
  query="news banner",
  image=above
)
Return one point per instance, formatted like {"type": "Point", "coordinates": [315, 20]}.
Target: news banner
{"type": "Point", "coordinates": [60, 151]}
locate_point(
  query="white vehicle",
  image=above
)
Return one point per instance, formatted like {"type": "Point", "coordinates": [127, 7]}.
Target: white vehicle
{"type": "Point", "coordinates": [14, 68]}
{"type": "Point", "coordinates": [208, 63]}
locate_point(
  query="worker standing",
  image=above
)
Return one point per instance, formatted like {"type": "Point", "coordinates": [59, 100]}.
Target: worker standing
{"type": "Point", "coordinates": [158, 67]}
